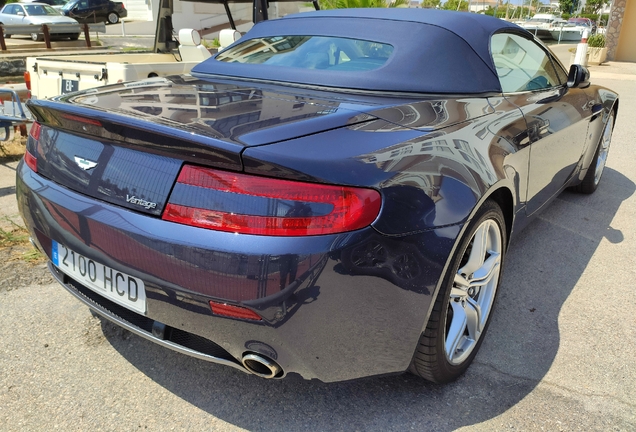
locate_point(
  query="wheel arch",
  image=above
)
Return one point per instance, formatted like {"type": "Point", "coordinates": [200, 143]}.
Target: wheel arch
{"type": "Point", "coordinates": [502, 194]}
{"type": "Point", "coordinates": [609, 100]}
{"type": "Point", "coordinates": [504, 199]}
{"type": "Point", "coordinates": [500, 197]}
{"type": "Point", "coordinates": [615, 109]}
{"type": "Point", "coordinates": [610, 107]}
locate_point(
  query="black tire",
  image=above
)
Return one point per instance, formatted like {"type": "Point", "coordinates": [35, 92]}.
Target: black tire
{"type": "Point", "coordinates": [74, 36]}
{"type": "Point", "coordinates": [431, 360]}
{"type": "Point", "coordinates": [595, 170]}
{"type": "Point", "coordinates": [36, 37]}
{"type": "Point", "coordinates": [112, 18]}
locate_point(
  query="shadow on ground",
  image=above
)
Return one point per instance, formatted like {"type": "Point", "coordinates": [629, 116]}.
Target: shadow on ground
{"type": "Point", "coordinates": [544, 264]}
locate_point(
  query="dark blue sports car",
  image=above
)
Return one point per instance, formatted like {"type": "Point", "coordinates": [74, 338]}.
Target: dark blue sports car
{"type": "Point", "coordinates": [331, 196]}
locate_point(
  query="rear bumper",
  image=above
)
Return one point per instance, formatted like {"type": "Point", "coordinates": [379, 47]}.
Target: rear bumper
{"type": "Point", "coordinates": [145, 327]}
{"type": "Point", "coordinates": [334, 307]}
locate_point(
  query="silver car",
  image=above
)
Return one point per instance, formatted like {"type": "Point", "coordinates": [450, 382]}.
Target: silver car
{"type": "Point", "coordinates": [35, 14]}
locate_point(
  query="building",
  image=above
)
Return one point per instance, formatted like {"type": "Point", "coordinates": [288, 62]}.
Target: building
{"type": "Point", "coordinates": [621, 31]}
{"type": "Point", "coordinates": [481, 5]}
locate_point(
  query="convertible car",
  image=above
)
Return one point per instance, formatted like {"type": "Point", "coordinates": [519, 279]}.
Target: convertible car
{"type": "Point", "coordinates": [331, 196]}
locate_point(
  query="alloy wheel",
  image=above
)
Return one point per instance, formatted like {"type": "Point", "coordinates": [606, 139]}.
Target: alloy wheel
{"type": "Point", "coordinates": [473, 292]}
{"type": "Point", "coordinates": [603, 150]}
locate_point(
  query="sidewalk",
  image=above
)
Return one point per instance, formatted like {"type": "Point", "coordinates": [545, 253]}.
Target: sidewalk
{"type": "Point", "coordinates": [132, 28]}
{"type": "Point", "coordinates": [608, 70]}
{"type": "Point", "coordinates": [614, 70]}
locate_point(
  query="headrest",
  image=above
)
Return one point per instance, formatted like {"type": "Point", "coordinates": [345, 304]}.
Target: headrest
{"type": "Point", "coordinates": [227, 37]}
{"type": "Point", "coordinates": [189, 37]}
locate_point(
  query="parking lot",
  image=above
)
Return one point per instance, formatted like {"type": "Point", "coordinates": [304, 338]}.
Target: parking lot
{"type": "Point", "coordinates": [559, 354]}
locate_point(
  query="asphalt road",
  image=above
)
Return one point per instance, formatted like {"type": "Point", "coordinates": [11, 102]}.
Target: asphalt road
{"type": "Point", "coordinates": [559, 354]}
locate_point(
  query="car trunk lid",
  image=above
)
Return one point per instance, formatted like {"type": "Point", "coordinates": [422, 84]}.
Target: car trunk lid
{"type": "Point", "coordinates": [126, 144]}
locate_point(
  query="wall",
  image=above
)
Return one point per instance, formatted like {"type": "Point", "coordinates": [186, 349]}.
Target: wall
{"type": "Point", "coordinates": [626, 47]}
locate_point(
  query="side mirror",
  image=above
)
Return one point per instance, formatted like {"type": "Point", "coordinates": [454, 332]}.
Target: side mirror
{"type": "Point", "coordinates": [20, 14]}
{"type": "Point", "coordinates": [579, 77]}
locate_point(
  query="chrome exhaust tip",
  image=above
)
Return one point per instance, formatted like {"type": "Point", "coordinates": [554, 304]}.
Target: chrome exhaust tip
{"type": "Point", "coordinates": [261, 366]}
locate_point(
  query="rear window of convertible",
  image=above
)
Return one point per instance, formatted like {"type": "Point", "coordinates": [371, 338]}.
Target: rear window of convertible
{"type": "Point", "coordinates": [310, 52]}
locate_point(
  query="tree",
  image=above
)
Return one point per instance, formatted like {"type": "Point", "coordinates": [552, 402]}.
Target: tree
{"type": "Point", "coordinates": [500, 12]}
{"type": "Point", "coordinates": [569, 6]}
{"type": "Point", "coordinates": [595, 6]}
{"type": "Point", "coordinates": [533, 5]}
{"type": "Point", "coordinates": [430, 3]}
{"type": "Point", "coordinates": [461, 5]}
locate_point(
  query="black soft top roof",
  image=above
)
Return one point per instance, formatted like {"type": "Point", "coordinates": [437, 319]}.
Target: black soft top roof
{"type": "Point", "coordinates": [434, 51]}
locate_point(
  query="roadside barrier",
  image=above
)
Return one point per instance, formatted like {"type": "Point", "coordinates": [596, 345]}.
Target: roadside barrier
{"type": "Point", "coordinates": [48, 30]}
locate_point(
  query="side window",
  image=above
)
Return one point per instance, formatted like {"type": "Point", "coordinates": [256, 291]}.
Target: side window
{"type": "Point", "coordinates": [521, 64]}
{"type": "Point", "coordinates": [561, 73]}
{"type": "Point", "coordinates": [35, 10]}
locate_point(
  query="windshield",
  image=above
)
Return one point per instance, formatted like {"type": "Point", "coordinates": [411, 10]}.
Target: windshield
{"type": "Point", "coordinates": [38, 10]}
{"type": "Point", "coordinates": [310, 52]}
{"type": "Point", "coordinates": [579, 21]}
{"type": "Point", "coordinates": [69, 5]}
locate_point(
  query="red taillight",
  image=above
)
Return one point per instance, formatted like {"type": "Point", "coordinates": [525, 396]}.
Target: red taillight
{"type": "Point", "coordinates": [248, 204]}
{"type": "Point", "coordinates": [81, 119]}
{"type": "Point", "coordinates": [29, 158]}
{"type": "Point", "coordinates": [27, 79]}
{"type": "Point", "coordinates": [35, 131]}
{"type": "Point", "coordinates": [31, 161]}
{"type": "Point", "coordinates": [231, 311]}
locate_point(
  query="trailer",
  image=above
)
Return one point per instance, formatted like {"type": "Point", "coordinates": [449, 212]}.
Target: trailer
{"type": "Point", "coordinates": [51, 75]}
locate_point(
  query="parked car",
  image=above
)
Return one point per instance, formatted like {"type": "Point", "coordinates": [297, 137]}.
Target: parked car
{"type": "Point", "coordinates": [35, 14]}
{"type": "Point", "coordinates": [331, 196]}
{"type": "Point", "coordinates": [95, 11]}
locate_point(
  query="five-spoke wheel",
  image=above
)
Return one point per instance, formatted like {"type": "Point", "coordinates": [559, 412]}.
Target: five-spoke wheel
{"type": "Point", "coordinates": [473, 292]}
{"type": "Point", "coordinates": [597, 165]}
{"type": "Point", "coordinates": [603, 149]}
{"type": "Point", "coordinates": [465, 300]}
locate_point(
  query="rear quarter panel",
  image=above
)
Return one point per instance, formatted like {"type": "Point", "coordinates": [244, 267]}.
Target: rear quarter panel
{"type": "Point", "coordinates": [429, 177]}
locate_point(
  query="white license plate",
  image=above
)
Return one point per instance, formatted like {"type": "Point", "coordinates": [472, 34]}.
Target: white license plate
{"type": "Point", "coordinates": [119, 287]}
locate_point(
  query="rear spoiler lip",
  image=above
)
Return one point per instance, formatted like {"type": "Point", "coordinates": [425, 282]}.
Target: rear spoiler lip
{"type": "Point", "coordinates": [183, 142]}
